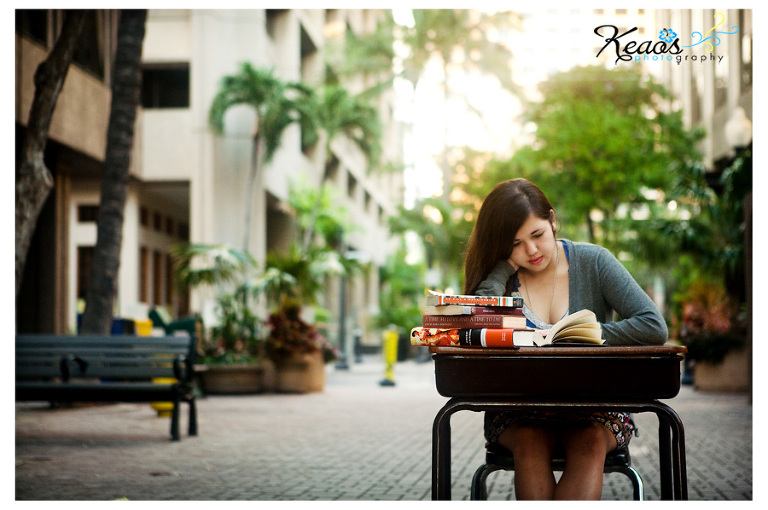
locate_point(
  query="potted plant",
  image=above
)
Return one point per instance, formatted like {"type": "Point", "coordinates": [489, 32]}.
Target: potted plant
{"type": "Point", "coordinates": [231, 355]}
{"type": "Point", "coordinates": [295, 345]}
{"type": "Point", "coordinates": [298, 350]}
{"type": "Point", "coordinates": [715, 333]}
{"type": "Point", "coordinates": [232, 351]}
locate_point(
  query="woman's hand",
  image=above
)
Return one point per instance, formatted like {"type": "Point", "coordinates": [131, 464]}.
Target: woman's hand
{"type": "Point", "coordinates": [512, 263]}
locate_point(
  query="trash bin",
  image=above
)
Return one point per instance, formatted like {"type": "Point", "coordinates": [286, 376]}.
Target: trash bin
{"type": "Point", "coordinates": [143, 327]}
{"type": "Point", "coordinates": [120, 326]}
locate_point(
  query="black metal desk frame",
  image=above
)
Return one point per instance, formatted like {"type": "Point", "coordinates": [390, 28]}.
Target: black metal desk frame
{"type": "Point", "coordinates": [672, 461]}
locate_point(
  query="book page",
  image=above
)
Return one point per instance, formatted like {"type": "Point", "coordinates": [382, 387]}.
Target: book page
{"type": "Point", "coordinates": [576, 318]}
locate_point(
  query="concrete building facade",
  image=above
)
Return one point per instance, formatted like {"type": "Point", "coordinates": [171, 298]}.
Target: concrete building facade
{"type": "Point", "coordinates": [186, 183]}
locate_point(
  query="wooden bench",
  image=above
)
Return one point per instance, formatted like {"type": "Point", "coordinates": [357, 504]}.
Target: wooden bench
{"type": "Point", "coordinates": [108, 369]}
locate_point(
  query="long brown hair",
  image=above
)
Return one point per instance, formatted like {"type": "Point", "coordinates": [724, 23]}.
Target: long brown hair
{"type": "Point", "coordinates": [503, 212]}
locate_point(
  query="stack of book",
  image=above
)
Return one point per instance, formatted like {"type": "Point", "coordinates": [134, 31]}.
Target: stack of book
{"type": "Point", "coordinates": [482, 321]}
{"type": "Point", "coordinates": [496, 321]}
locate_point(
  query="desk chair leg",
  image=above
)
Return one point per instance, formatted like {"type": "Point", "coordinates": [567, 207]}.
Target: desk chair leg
{"type": "Point", "coordinates": [478, 490]}
{"type": "Point", "coordinates": [638, 492]}
{"type": "Point", "coordinates": [192, 417]}
{"type": "Point", "coordinates": [175, 420]}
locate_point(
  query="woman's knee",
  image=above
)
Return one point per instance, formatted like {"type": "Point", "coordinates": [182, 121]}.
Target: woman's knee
{"type": "Point", "coordinates": [528, 440]}
{"type": "Point", "coordinates": [593, 440]}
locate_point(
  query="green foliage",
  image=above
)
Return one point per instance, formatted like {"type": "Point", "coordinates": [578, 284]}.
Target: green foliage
{"type": "Point", "coordinates": [340, 112]}
{"type": "Point", "coordinates": [369, 55]}
{"type": "Point", "coordinates": [289, 334]}
{"type": "Point", "coordinates": [462, 38]}
{"type": "Point", "coordinates": [309, 270]}
{"type": "Point", "coordinates": [234, 275]}
{"type": "Point", "coordinates": [714, 232]}
{"type": "Point", "coordinates": [400, 300]}
{"type": "Point", "coordinates": [317, 209]}
{"type": "Point", "coordinates": [710, 323]}
{"type": "Point", "coordinates": [603, 141]}
{"type": "Point", "coordinates": [444, 230]}
{"type": "Point", "coordinates": [277, 104]}
{"type": "Point", "coordinates": [198, 264]}
{"type": "Point", "coordinates": [713, 346]}
{"type": "Point", "coordinates": [238, 336]}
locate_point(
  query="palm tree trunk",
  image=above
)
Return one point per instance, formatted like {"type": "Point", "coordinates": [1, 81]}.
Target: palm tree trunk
{"type": "Point", "coordinates": [258, 140]}
{"type": "Point", "coordinates": [444, 160]}
{"type": "Point", "coordinates": [114, 186]}
{"type": "Point", "coordinates": [309, 233]}
{"type": "Point", "coordinates": [33, 179]}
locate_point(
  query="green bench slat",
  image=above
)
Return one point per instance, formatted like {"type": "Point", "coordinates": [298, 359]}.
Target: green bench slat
{"type": "Point", "coordinates": [116, 369]}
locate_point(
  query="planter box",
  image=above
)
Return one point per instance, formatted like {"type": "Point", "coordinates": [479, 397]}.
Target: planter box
{"type": "Point", "coordinates": [231, 379]}
{"type": "Point", "coordinates": [732, 374]}
{"type": "Point", "coordinates": [301, 373]}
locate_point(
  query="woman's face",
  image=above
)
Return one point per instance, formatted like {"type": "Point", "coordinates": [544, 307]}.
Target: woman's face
{"type": "Point", "coordinates": [534, 245]}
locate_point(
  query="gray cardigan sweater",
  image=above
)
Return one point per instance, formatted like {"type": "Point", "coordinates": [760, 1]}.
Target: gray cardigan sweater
{"type": "Point", "coordinates": [598, 282]}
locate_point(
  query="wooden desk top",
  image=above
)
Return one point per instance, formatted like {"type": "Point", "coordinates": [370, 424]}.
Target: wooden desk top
{"type": "Point", "coordinates": [560, 350]}
{"type": "Point", "coordinates": [559, 372]}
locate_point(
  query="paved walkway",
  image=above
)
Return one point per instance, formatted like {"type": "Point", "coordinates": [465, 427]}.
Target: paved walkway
{"type": "Point", "coordinates": [356, 440]}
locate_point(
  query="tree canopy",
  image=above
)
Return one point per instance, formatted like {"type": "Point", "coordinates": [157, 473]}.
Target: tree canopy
{"type": "Point", "coordinates": [606, 147]}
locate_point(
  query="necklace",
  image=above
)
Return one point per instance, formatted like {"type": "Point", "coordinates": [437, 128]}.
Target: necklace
{"type": "Point", "coordinates": [554, 283]}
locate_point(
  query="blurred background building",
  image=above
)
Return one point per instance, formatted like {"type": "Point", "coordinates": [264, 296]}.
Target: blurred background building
{"type": "Point", "coordinates": [186, 185]}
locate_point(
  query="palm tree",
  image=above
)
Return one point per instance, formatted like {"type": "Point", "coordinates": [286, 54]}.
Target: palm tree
{"type": "Point", "coordinates": [458, 38]}
{"type": "Point", "coordinates": [102, 288]}
{"type": "Point", "coordinates": [277, 104]}
{"type": "Point", "coordinates": [339, 113]}
{"type": "Point", "coordinates": [33, 179]}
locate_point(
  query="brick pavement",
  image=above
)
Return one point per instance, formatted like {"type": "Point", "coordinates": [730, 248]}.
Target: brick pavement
{"type": "Point", "coordinates": [354, 441]}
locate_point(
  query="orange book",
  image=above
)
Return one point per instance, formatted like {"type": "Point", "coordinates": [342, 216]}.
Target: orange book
{"type": "Point", "coordinates": [478, 337]}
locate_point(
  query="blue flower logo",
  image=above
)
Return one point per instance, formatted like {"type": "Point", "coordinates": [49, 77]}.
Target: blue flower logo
{"type": "Point", "coordinates": [667, 35]}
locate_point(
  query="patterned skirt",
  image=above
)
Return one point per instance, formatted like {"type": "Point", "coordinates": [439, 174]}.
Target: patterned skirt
{"type": "Point", "coordinates": [620, 424]}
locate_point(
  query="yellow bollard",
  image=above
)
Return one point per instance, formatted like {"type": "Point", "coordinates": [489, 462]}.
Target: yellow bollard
{"type": "Point", "coordinates": [389, 349]}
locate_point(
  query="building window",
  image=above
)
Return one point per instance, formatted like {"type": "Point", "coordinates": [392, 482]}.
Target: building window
{"type": "Point", "coordinates": [183, 231]}
{"type": "Point", "coordinates": [165, 86]}
{"type": "Point", "coordinates": [169, 272]}
{"type": "Point", "coordinates": [144, 216]}
{"type": "Point", "coordinates": [273, 17]}
{"type": "Point", "coordinates": [332, 168]}
{"type": "Point", "coordinates": [157, 277]}
{"type": "Point", "coordinates": [33, 23]}
{"type": "Point", "coordinates": [169, 226]}
{"type": "Point", "coordinates": [157, 222]}
{"type": "Point", "coordinates": [89, 50]}
{"type": "Point", "coordinates": [87, 213]}
{"type": "Point", "coordinates": [84, 263]}
{"type": "Point", "coordinates": [351, 186]}
{"type": "Point", "coordinates": [144, 274]}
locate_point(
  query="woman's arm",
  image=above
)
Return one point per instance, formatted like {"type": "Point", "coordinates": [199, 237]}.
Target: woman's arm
{"type": "Point", "coordinates": [640, 322]}
{"type": "Point", "coordinates": [496, 282]}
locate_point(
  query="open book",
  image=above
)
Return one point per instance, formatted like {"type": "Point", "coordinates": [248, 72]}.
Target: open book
{"type": "Point", "coordinates": [577, 328]}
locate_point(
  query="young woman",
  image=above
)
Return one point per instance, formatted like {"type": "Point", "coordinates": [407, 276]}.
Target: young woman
{"type": "Point", "coordinates": [513, 250]}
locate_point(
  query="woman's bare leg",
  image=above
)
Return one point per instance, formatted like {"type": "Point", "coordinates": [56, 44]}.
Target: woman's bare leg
{"type": "Point", "coordinates": [532, 448]}
{"type": "Point", "coordinates": [585, 451]}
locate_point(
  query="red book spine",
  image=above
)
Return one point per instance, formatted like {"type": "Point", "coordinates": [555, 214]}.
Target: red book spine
{"type": "Point", "coordinates": [472, 321]}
